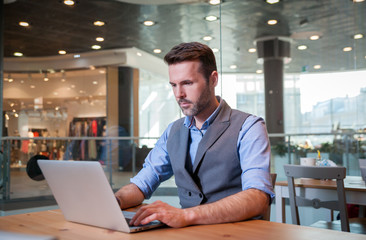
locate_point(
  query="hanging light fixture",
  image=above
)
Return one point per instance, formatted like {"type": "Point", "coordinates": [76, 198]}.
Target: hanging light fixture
{"type": "Point", "coordinates": [63, 79]}
{"type": "Point", "coordinates": [45, 77]}
{"type": "Point", "coordinates": [9, 78]}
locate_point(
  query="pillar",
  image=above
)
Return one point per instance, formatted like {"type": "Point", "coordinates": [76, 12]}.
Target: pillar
{"type": "Point", "coordinates": [273, 50]}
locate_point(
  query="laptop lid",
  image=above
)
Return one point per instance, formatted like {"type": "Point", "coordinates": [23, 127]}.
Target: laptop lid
{"type": "Point", "coordinates": [83, 194]}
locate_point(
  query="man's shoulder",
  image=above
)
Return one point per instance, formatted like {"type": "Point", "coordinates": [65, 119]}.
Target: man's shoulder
{"type": "Point", "coordinates": [175, 125]}
{"type": "Point", "coordinates": [235, 113]}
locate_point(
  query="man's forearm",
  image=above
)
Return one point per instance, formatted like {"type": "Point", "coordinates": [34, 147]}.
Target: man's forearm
{"type": "Point", "coordinates": [243, 205]}
{"type": "Point", "coordinates": [129, 196]}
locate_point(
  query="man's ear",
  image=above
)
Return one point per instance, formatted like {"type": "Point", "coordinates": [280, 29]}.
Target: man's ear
{"type": "Point", "coordinates": [214, 78]}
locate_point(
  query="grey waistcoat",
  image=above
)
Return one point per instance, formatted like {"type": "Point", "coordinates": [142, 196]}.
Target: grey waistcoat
{"type": "Point", "coordinates": [216, 171]}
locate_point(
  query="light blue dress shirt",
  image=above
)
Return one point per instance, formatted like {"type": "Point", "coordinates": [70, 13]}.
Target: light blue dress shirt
{"type": "Point", "coordinates": [252, 145]}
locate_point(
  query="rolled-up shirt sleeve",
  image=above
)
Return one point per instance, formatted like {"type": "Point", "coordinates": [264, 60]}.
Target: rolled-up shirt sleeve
{"type": "Point", "coordinates": [156, 169]}
{"type": "Point", "coordinates": [255, 154]}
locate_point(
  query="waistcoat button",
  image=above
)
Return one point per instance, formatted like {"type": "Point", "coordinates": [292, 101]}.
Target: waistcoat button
{"type": "Point", "coordinates": [189, 194]}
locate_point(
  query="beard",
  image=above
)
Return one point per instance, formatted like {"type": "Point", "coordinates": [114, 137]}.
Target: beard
{"type": "Point", "coordinates": [198, 106]}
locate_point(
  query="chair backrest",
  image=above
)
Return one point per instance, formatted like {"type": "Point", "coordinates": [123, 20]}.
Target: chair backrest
{"type": "Point", "coordinates": [267, 215]}
{"type": "Point", "coordinates": [338, 173]}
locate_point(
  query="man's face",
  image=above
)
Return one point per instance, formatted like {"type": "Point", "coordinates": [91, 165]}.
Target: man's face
{"type": "Point", "coordinates": [190, 88]}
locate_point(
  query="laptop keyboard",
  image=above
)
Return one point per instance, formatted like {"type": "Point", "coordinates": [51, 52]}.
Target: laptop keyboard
{"type": "Point", "coordinates": [141, 225]}
{"type": "Point", "coordinates": [129, 215]}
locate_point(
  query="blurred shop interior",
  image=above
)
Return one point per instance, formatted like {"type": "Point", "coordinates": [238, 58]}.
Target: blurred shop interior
{"type": "Point", "coordinates": [86, 80]}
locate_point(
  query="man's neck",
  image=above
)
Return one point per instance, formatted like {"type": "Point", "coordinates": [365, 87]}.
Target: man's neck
{"type": "Point", "coordinates": [202, 117]}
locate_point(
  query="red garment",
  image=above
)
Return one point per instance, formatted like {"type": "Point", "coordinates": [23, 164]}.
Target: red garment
{"type": "Point", "coordinates": [94, 128]}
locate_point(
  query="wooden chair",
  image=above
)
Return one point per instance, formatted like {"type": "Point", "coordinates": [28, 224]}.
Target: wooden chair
{"type": "Point", "coordinates": [358, 225]}
{"type": "Point", "coordinates": [267, 215]}
{"type": "Point", "coordinates": [338, 173]}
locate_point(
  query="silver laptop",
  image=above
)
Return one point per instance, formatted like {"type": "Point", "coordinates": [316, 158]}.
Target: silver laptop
{"type": "Point", "coordinates": [82, 192]}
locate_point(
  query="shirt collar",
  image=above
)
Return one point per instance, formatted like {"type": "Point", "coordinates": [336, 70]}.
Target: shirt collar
{"type": "Point", "coordinates": [190, 123]}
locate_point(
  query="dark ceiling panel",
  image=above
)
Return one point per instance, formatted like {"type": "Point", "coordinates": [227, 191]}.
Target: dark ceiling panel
{"type": "Point", "coordinates": [55, 26]}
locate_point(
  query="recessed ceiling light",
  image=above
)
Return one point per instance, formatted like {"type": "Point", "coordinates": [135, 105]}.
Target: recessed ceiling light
{"type": "Point", "coordinates": [214, 2]}
{"type": "Point", "coordinates": [24, 24]}
{"type": "Point", "coordinates": [272, 22]}
{"type": "Point", "coordinates": [347, 49]}
{"type": "Point", "coordinates": [95, 82]}
{"type": "Point", "coordinates": [10, 80]}
{"type": "Point", "coordinates": [259, 71]}
{"type": "Point", "coordinates": [302, 47]}
{"type": "Point", "coordinates": [317, 66]}
{"type": "Point", "coordinates": [32, 86]}
{"type": "Point", "coordinates": [46, 79]}
{"type": "Point", "coordinates": [139, 54]}
{"type": "Point", "coordinates": [16, 115]}
{"type": "Point", "coordinates": [314, 37]}
{"type": "Point", "coordinates": [72, 86]}
{"type": "Point", "coordinates": [233, 66]}
{"type": "Point", "coordinates": [18, 54]}
{"type": "Point", "coordinates": [149, 23]}
{"type": "Point", "coordinates": [76, 55]}
{"type": "Point", "coordinates": [14, 110]}
{"type": "Point", "coordinates": [63, 80]}
{"type": "Point", "coordinates": [358, 36]}
{"type": "Point", "coordinates": [55, 93]}
{"type": "Point", "coordinates": [207, 38]}
{"type": "Point", "coordinates": [99, 23]}
{"type": "Point", "coordinates": [62, 52]}
{"type": "Point", "coordinates": [211, 18]}
{"type": "Point", "coordinates": [252, 50]}
{"type": "Point", "coordinates": [95, 47]}
{"type": "Point", "coordinates": [215, 50]}
{"type": "Point", "coordinates": [69, 2]}
{"type": "Point", "coordinates": [358, 1]}
{"type": "Point", "coordinates": [21, 81]}
{"type": "Point", "coordinates": [157, 50]}
{"type": "Point", "coordinates": [99, 39]}
{"type": "Point", "coordinates": [272, 1]}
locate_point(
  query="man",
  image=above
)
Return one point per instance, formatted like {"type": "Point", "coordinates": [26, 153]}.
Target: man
{"type": "Point", "coordinates": [219, 156]}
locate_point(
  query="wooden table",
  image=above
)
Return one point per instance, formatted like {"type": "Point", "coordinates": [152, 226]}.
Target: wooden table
{"type": "Point", "coordinates": [52, 223]}
{"type": "Point", "coordinates": [323, 189]}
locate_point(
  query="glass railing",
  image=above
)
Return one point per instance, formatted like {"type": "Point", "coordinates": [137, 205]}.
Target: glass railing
{"type": "Point", "coordinates": [122, 157]}
{"type": "Point", "coordinates": [342, 148]}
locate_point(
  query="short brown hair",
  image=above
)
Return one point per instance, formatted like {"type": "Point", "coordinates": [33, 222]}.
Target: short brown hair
{"type": "Point", "coordinates": [193, 51]}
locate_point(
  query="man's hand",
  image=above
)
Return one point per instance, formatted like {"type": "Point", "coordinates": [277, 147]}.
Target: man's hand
{"type": "Point", "coordinates": [171, 216]}
{"type": "Point", "coordinates": [238, 207]}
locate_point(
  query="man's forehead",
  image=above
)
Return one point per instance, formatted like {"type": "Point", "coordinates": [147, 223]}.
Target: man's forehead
{"type": "Point", "coordinates": [191, 63]}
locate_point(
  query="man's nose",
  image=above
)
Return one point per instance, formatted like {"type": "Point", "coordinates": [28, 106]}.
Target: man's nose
{"type": "Point", "coordinates": [179, 92]}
